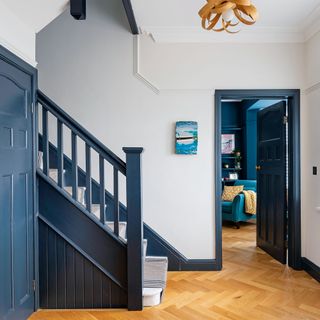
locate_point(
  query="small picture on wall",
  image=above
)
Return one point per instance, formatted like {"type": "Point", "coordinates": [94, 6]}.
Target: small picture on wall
{"type": "Point", "coordinates": [186, 137]}
{"type": "Point", "coordinates": [227, 143]}
{"type": "Point", "coordinates": [233, 176]}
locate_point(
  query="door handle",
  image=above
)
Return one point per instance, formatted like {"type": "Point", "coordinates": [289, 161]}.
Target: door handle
{"type": "Point", "coordinates": [258, 168]}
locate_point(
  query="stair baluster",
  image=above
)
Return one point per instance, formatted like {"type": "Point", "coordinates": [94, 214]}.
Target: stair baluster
{"type": "Point", "coordinates": [45, 142]}
{"type": "Point", "coordinates": [116, 201]}
{"type": "Point", "coordinates": [88, 178]}
{"type": "Point", "coordinates": [102, 189]}
{"type": "Point", "coordinates": [60, 153]}
{"type": "Point", "coordinates": [74, 151]}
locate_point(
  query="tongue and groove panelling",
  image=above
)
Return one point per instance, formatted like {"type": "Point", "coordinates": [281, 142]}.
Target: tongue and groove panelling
{"type": "Point", "coordinates": [70, 281]}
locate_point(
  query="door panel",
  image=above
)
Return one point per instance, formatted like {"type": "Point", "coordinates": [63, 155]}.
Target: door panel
{"type": "Point", "coordinates": [271, 181]}
{"type": "Point", "coordinates": [16, 195]}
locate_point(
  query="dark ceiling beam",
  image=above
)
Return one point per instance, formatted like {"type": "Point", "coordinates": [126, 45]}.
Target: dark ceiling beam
{"type": "Point", "coordinates": [130, 15]}
{"type": "Point", "coordinates": [78, 9]}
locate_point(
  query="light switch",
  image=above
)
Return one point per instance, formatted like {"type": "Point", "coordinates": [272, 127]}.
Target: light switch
{"type": "Point", "coordinates": [315, 171]}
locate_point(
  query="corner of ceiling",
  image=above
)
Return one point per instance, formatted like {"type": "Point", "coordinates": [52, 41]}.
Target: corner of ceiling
{"type": "Point", "coordinates": [247, 35]}
{"type": "Point", "coordinates": [313, 26]}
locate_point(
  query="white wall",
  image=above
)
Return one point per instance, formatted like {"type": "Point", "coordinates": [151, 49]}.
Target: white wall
{"type": "Point", "coordinates": [222, 66]}
{"type": "Point", "coordinates": [91, 77]}
{"type": "Point", "coordinates": [311, 196]}
{"type": "Point", "coordinates": [16, 36]}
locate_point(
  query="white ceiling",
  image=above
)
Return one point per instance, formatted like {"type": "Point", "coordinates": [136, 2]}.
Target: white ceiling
{"type": "Point", "coordinates": [36, 13]}
{"type": "Point", "coordinates": [178, 21]}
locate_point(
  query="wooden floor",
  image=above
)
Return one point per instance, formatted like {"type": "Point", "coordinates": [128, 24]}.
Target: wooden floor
{"type": "Point", "coordinates": [252, 286]}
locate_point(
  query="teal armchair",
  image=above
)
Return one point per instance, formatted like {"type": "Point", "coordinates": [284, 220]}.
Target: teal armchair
{"type": "Point", "coordinates": [235, 211]}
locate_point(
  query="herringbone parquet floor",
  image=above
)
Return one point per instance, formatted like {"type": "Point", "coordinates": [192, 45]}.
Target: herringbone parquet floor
{"type": "Point", "coordinates": [252, 286]}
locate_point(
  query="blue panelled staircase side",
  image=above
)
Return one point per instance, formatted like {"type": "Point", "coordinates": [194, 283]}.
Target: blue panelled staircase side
{"type": "Point", "coordinates": [85, 259]}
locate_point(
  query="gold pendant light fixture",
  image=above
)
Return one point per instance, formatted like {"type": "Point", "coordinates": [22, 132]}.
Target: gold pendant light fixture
{"type": "Point", "coordinates": [243, 10]}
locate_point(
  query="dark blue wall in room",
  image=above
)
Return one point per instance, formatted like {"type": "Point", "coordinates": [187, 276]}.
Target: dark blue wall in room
{"type": "Point", "coordinates": [251, 143]}
{"type": "Point", "coordinates": [231, 115]}
{"type": "Point", "coordinates": [236, 119]}
{"type": "Point", "coordinates": [232, 123]}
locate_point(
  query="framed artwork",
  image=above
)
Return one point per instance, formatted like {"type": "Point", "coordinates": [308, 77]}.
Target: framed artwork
{"type": "Point", "coordinates": [227, 143]}
{"type": "Point", "coordinates": [186, 137]}
{"type": "Point", "coordinates": [233, 176]}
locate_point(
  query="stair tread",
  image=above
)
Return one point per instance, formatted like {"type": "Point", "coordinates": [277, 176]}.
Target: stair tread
{"type": "Point", "coordinates": [151, 291]}
{"type": "Point", "coordinates": [155, 258]}
{"type": "Point", "coordinates": [112, 222]}
{"type": "Point", "coordinates": [70, 187]}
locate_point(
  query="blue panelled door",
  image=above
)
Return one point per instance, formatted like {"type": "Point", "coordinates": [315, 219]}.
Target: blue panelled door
{"type": "Point", "coordinates": [16, 194]}
{"type": "Point", "coordinates": [271, 181]}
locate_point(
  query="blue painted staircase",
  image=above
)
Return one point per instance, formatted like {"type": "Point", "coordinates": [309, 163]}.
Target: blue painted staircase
{"type": "Point", "coordinates": [92, 253]}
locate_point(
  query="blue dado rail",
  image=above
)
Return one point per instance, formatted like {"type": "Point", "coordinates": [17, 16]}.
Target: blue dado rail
{"type": "Point", "coordinates": [131, 169]}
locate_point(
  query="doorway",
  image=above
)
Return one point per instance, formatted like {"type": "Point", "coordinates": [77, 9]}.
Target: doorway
{"type": "Point", "coordinates": [271, 234]}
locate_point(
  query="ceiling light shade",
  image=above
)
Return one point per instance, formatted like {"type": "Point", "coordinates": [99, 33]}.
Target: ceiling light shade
{"type": "Point", "coordinates": [243, 10]}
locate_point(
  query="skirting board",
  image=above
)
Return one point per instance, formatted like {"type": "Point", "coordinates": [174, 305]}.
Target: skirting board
{"type": "Point", "coordinates": [158, 246]}
{"type": "Point", "coordinates": [311, 268]}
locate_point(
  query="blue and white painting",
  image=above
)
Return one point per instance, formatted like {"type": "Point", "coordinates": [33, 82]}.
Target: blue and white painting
{"type": "Point", "coordinates": [186, 137]}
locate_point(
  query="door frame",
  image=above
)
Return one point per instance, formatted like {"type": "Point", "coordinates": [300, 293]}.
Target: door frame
{"type": "Point", "coordinates": [294, 166]}
{"type": "Point", "coordinates": [20, 64]}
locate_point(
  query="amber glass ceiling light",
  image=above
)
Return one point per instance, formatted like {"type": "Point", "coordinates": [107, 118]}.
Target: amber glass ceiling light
{"type": "Point", "coordinates": [211, 13]}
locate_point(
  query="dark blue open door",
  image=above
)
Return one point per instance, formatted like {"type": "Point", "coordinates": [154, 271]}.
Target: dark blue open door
{"type": "Point", "coordinates": [16, 194]}
{"type": "Point", "coordinates": [271, 181]}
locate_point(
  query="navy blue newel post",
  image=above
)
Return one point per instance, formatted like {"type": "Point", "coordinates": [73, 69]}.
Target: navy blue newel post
{"type": "Point", "coordinates": [134, 228]}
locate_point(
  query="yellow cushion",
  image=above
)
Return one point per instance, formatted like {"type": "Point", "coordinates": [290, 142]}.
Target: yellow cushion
{"type": "Point", "coordinates": [230, 192]}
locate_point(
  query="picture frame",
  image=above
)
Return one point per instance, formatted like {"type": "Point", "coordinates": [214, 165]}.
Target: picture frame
{"type": "Point", "coordinates": [186, 137]}
{"type": "Point", "coordinates": [228, 143]}
{"type": "Point", "coordinates": [233, 176]}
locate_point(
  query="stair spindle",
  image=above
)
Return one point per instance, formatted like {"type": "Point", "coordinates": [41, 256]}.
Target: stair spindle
{"type": "Point", "coordinates": [74, 148]}
{"type": "Point", "coordinates": [60, 152]}
{"type": "Point", "coordinates": [88, 178]}
{"type": "Point", "coordinates": [102, 189]}
{"type": "Point", "coordinates": [116, 201]}
{"type": "Point", "coordinates": [45, 141]}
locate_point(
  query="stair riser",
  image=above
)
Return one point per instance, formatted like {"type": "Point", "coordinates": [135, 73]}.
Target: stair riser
{"type": "Point", "coordinates": [151, 301]}
{"type": "Point", "coordinates": [152, 296]}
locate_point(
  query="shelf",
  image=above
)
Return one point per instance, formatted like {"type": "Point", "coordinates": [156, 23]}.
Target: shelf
{"type": "Point", "coordinates": [231, 169]}
{"type": "Point", "coordinates": [227, 157]}
{"type": "Point", "coordinates": [231, 129]}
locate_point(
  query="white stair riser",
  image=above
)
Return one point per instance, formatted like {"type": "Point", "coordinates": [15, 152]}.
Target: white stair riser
{"type": "Point", "coordinates": [53, 174]}
{"type": "Point", "coordinates": [81, 193]}
{"type": "Point", "coordinates": [122, 228]}
{"type": "Point", "coordinates": [95, 209]}
{"type": "Point", "coordinates": [151, 297]}
{"type": "Point", "coordinates": [40, 160]}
